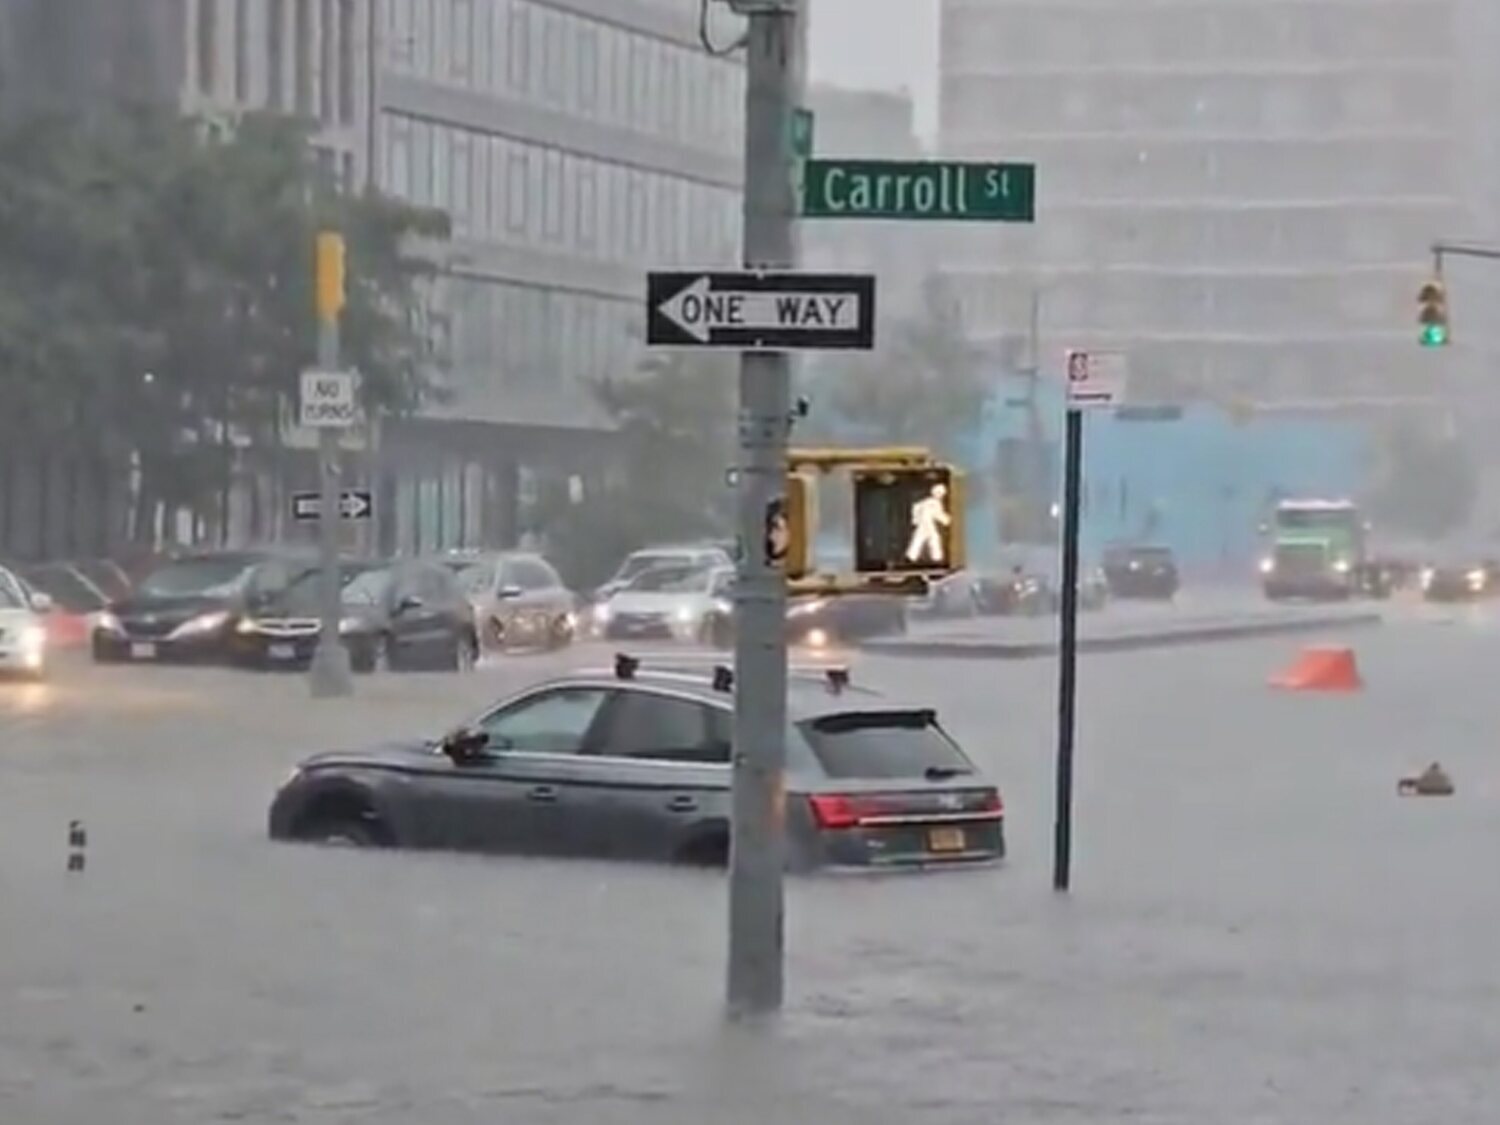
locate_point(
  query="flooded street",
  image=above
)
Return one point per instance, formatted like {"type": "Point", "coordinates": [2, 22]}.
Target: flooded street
{"type": "Point", "coordinates": [1260, 930]}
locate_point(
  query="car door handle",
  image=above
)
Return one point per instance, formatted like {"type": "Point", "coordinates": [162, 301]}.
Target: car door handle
{"type": "Point", "coordinates": [683, 802]}
{"type": "Point", "coordinates": [543, 793]}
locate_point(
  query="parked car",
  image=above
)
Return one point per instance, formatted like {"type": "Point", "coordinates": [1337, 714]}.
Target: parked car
{"type": "Point", "coordinates": [1139, 570]}
{"type": "Point", "coordinates": [76, 601]}
{"type": "Point", "coordinates": [635, 764]}
{"type": "Point", "coordinates": [519, 601]}
{"type": "Point", "coordinates": [398, 615]}
{"type": "Point", "coordinates": [188, 608]}
{"type": "Point", "coordinates": [23, 631]}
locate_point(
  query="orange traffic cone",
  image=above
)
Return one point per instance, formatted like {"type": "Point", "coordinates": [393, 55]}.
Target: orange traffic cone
{"type": "Point", "coordinates": [1321, 669]}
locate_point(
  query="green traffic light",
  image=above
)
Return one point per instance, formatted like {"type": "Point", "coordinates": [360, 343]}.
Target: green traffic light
{"type": "Point", "coordinates": [1434, 335]}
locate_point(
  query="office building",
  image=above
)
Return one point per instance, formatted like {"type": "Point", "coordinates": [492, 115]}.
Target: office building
{"type": "Point", "coordinates": [1240, 195]}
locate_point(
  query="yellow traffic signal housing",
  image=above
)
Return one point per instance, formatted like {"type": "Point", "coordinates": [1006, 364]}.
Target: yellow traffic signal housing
{"type": "Point", "coordinates": [1432, 315]}
{"type": "Point", "coordinates": [909, 520]}
{"type": "Point", "coordinates": [329, 276]}
{"type": "Point", "coordinates": [802, 524]}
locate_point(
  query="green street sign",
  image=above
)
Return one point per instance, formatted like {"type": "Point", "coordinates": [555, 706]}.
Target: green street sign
{"type": "Point", "coordinates": [911, 189]}
{"type": "Point", "coordinates": [802, 133]}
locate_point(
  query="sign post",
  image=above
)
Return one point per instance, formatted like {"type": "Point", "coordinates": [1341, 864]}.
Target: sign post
{"type": "Point", "coordinates": [328, 404]}
{"type": "Point", "coordinates": [1094, 380]}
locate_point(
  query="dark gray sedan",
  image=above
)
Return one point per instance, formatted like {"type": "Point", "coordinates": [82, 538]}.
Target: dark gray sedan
{"type": "Point", "coordinates": [635, 764]}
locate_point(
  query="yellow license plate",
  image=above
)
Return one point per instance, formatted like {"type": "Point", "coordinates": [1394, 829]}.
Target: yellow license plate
{"type": "Point", "coordinates": [946, 839]}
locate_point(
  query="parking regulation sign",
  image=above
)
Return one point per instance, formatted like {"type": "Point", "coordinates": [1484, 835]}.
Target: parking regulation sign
{"type": "Point", "coordinates": [1094, 379]}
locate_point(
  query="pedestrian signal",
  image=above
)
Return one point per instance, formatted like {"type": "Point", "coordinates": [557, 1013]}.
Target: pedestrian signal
{"type": "Point", "coordinates": [1432, 301]}
{"type": "Point", "coordinates": [908, 520]}
{"type": "Point", "coordinates": [791, 526]}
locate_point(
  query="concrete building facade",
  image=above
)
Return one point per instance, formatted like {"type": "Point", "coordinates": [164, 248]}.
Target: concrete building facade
{"type": "Point", "coordinates": [1239, 194]}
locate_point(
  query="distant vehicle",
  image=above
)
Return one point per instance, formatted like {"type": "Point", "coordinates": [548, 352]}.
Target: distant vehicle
{"type": "Point", "coordinates": [188, 608]}
{"type": "Point", "coordinates": [681, 601]}
{"type": "Point", "coordinates": [1318, 550]}
{"type": "Point", "coordinates": [692, 555]}
{"type": "Point", "coordinates": [398, 616]}
{"type": "Point", "coordinates": [76, 601]}
{"type": "Point", "coordinates": [1461, 578]}
{"type": "Point", "coordinates": [106, 576]}
{"type": "Point", "coordinates": [635, 764]}
{"type": "Point", "coordinates": [813, 621]}
{"type": "Point", "coordinates": [1139, 570]}
{"type": "Point", "coordinates": [520, 601]}
{"type": "Point", "coordinates": [23, 631]}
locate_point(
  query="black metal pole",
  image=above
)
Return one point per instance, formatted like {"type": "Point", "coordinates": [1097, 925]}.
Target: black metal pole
{"type": "Point", "coordinates": [1062, 850]}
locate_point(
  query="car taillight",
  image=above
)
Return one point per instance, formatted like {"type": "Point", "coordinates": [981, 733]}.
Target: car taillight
{"type": "Point", "coordinates": [992, 802]}
{"type": "Point", "coordinates": [834, 810]}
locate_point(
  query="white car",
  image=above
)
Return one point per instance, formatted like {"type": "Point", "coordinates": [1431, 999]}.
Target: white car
{"type": "Point", "coordinates": [674, 602]}
{"type": "Point", "coordinates": [23, 635]}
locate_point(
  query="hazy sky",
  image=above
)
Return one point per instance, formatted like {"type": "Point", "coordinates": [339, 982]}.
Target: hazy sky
{"type": "Point", "coordinates": [879, 44]}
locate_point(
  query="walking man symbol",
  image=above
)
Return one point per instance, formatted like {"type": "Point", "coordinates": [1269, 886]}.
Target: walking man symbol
{"type": "Point", "coordinates": [928, 517]}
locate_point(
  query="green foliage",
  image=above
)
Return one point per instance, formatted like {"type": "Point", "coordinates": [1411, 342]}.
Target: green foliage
{"type": "Point", "coordinates": [1431, 482]}
{"type": "Point", "coordinates": [156, 289]}
{"type": "Point", "coordinates": [675, 435]}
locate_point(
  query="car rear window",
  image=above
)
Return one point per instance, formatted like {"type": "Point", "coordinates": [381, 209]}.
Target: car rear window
{"type": "Point", "coordinates": [884, 744]}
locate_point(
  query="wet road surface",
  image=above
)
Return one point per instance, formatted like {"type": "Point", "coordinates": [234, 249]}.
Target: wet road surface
{"type": "Point", "coordinates": [1260, 930]}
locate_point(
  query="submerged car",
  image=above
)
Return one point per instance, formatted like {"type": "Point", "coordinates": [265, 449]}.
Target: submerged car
{"type": "Point", "coordinates": [397, 616]}
{"type": "Point", "coordinates": [685, 602]}
{"type": "Point", "coordinates": [1461, 579]}
{"type": "Point", "coordinates": [187, 608]}
{"type": "Point", "coordinates": [519, 600]}
{"type": "Point", "coordinates": [23, 631]}
{"type": "Point", "coordinates": [635, 764]}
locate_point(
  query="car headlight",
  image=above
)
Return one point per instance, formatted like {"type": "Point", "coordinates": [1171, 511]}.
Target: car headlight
{"type": "Point", "coordinates": [350, 624]}
{"type": "Point", "coordinates": [246, 626]}
{"type": "Point", "coordinates": [33, 639]}
{"type": "Point", "coordinates": [685, 615]}
{"type": "Point", "coordinates": [1427, 576]}
{"type": "Point", "coordinates": [1477, 579]}
{"type": "Point", "coordinates": [1135, 564]}
{"type": "Point", "coordinates": [107, 622]}
{"type": "Point", "coordinates": [602, 613]}
{"type": "Point", "coordinates": [1267, 565]}
{"type": "Point", "coordinates": [203, 623]}
{"type": "Point", "coordinates": [1341, 566]}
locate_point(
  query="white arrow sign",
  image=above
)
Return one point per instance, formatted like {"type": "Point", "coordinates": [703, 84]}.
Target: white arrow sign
{"type": "Point", "coordinates": [353, 505]}
{"type": "Point", "coordinates": [698, 311]}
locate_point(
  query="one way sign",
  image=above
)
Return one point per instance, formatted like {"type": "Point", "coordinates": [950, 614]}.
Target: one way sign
{"type": "Point", "coordinates": [761, 311]}
{"type": "Point", "coordinates": [354, 504]}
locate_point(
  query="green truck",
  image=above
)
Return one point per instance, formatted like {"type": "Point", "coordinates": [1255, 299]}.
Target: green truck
{"type": "Point", "coordinates": [1318, 549]}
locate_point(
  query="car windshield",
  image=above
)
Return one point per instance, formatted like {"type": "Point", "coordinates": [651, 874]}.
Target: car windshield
{"type": "Point", "coordinates": [638, 564]}
{"type": "Point", "coordinates": [302, 596]}
{"type": "Point", "coordinates": [11, 596]}
{"type": "Point", "coordinates": [367, 587]}
{"type": "Point", "coordinates": [65, 586]}
{"type": "Point", "coordinates": [672, 580]}
{"type": "Point", "coordinates": [884, 744]}
{"type": "Point", "coordinates": [478, 578]}
{"type": "Point", "coordinates": [197, 578]}
{"type": "Point", "coordinates": [1317, 519]}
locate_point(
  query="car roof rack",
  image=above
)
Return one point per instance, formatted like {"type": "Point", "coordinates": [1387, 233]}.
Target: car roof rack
{"type": "Point", "coordinates": [836, 677]}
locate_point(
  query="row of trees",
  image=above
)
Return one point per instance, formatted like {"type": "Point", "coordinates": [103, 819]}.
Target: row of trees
{"type": "Point", "coordinates": [156, 290]}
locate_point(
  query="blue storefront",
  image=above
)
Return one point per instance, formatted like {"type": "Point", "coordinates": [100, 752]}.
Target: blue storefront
{"type": "Point", "coordinates": [1199, 481]}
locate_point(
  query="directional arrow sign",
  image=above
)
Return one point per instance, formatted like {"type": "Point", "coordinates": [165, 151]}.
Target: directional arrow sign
{"type": "Point", "coordinates": [354, 504]}
{"type": "Point", "coordinates": [761, 311]}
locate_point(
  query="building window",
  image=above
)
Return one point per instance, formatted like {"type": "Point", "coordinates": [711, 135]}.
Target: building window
{"type": "Point", "coordinates": [399, 45]}
{"type": "Point", "coordinates": [518, 35]}
{"type": "Point", "coordinates": [463, 181]}
{"type": "Point", "coordinates": [303, 78]}
{"type": "Point", "coordinates": [421, 164]}
{"type": "Point", "coordinates": [640, 84]}
{"type": "Point", "coordinates": [587, 63]}
{"type": "Point", "coordinates": [516, 207]}
{"type": "Point", "coordinates": [554, 64]}
{"type": "Point", "coordinates": [479, 180]}
{"type": "Point", "coordinates": [637, 206]}
{"type": "Point", "coordinates": [619, 98]}
{"type": "Point", "coordinates": [442, 168]}
{"type": "Point", "coordinates": [398, 156]}
{"type": "Point", "coordinates": [588, 202]}
{"type": "Point", "coordinates": [347, 69]}
{"type": "Point", "coordinates": [208, 42]}
{"type": "Point", "coordinates": [668, 98]}
{"type": "Point", "coordinates": [327, 40]}
{"type": "Point", "coordinates": [420, 55]}
{"type": "Point", "coordinates": [498, 193]}
{"type": "Point", "coordinates": [242, 51]}
{"type": "Point", "coordinates": [276, 56]}
{"type": "Point", "coordinates": [462, 58]}
{"type": "Point", "coordinates": [552, 196]}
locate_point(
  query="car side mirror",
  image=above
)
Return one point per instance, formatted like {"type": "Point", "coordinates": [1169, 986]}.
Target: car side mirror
{"type": "Point", "coordinates": [464, 745]}
{"type": "Point", "coordinates": [507, 592]}
{"type": "Point", "coordinates": [409, 602]}
{"type": "Point", "coordinates": [42, 603]}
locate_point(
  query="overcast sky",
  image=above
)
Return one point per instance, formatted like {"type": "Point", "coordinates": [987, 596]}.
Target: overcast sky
{"type": "Point", "coordinates": [879, 44]}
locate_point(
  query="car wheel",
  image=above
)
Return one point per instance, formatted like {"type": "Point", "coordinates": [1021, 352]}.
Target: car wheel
{"type": "Point", "coordinates": [378, 656]}
{"type": "Point", "coordinates": [559, 635]}
{"type": "Point", "coordinates": [344, 834]}
{"type": "Point", "coordinates": [496, 631]}
{"type": "Point", "coordinates": [465, 653]}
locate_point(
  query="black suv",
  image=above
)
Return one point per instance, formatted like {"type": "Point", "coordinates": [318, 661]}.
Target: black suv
{"type": "Point", "coordinates": [636, 764]}
{"type": "Point", "coordinates": [1140, 571]}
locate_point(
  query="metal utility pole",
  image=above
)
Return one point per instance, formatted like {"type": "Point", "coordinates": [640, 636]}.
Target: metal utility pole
{"type": "Point", "coordinates": [329, 675]}
{"type": "Point", "coordinates": [758, 844]}
{"type": "Point", "coordinates": [1062, 849]}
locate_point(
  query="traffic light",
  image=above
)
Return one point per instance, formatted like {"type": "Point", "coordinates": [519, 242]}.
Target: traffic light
{"type": "Point", "coordinates": [801, 515]}
{"type": "Point", "coordinates": [329, 279]}
{"type": "Point", "coordinates": [908, 520]}
{"type": "Point", "coordinates": [1433, 314]}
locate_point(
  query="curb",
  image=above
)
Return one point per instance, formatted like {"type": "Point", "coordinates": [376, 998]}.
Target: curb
{"type": "Point", "coordinates": [1127, 642]}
